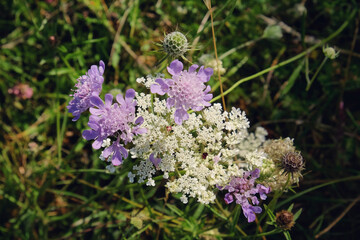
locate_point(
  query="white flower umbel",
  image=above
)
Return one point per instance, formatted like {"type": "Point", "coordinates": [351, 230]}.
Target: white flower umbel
{"type": "Point", "coordinates": [201, 152]}
{"type": "Point", "coordinates": [149, 79]}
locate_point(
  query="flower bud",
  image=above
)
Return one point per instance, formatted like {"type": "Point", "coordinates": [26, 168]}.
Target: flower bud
{"type": "Point", "coordinates": [330, 52]}
{"type": "Point", "coordinates": [285, 219]}
{"type": "Point", "coordinates": [175, 44]}
{"type": "Point", "coordinates": [292, 162]}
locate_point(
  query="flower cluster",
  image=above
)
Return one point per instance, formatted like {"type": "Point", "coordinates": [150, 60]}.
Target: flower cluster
{"type": "Point", "coordinates": [196, 152]}
{"type": "Point", "coordinates": [87, 86]}
{"type": "Point", "coordinates": [244, 189]}
{"type": "Point", "coordinates": [21, 90]}
{"type": "Point", "coordinates": [113, 125]}
{"type": "Point", "coordinates": [186, 89]}
{"type": "Point", "coordinates": [113, 120]}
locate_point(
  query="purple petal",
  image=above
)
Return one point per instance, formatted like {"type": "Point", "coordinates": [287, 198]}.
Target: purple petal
{"type": "Point", "coordinates": [170, 82]}
{"type": "Point", "coordinates": [256, 209]}
{"type": "Point", "coordinates": [101, 67]}
{"type": "Point", "coordinates": [139, 120]}
{"type": "Point", "coordinates": [175, 67]}
{"type": "Point", "coordinates": [138, 131]}
{"type": "Point", "coordinates": [123, 151]}
{"type": "Point", "coordinates": [207, 89]}
{"type": "Point", "coordinates": [180, 116]}
{"type": "Point", "coordinates": [155, 161]}
{"type": "Point", "coordinates": [120, 99]}
{"type": "Point", "coordinates": [116, 160]}
{"type": "Point", "coordinates": [108, 100]}
{"type": "Point", "coordinates": [209, 72]}
{"type": "Point", "coordinates": [93, 125]}
{"type": "Point", "coordinates": [108, 151]}
{"type": "Point", "coordinates": [96, 101]}
{"type": "Point", "coordinates": [89, 134]}
{"type": "Point", "coordinates": [170, 102]}
{"type": "Point", "coordinates": [193, 68]}
{"type": "Point", "coordinates": [228, 198]}
{"type": "Point", "coordinates": [130, 94]}
{"type": "Point", "coordinates": [256, 173]}
{"type": "Point", "coordinates": [197, 108]}
{"type": "Point", "coordinates": [164, 86]}
{"type": "Point", "coordinates": [75, 117]}
{"type": "Point", "coordinates": [249, 214]}
{"type": "Point", "coordinates": [97, 143]}
{"type": "Point", "coordinates": [96, 111]}
{"type": "Point", "coordinates": [205, 74]}
{"type": "Point", "coordinates": [208, 97]}
{"type": "Point", "coordinates": [155, 88]}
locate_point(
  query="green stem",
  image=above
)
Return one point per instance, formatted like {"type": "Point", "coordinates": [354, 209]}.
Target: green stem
{"type": "Point", "coordinates": [316, 73]}
{"type": "Point", "coordinates": [263, 234]}
{"type": "Point", "coordinates": [337, 32]}
{"type": "Point", "coordinates": [289, 199]}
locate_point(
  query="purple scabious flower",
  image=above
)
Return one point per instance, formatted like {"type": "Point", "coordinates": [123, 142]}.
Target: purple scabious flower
{"type": "Point", "coordinates": [243, 190]}
{"type": "Point", "coordinates": [88, 85]}
{"type": "Point", "coordinates": [186, 89]}
{"type": "Point", "coordinates": [116, 121]}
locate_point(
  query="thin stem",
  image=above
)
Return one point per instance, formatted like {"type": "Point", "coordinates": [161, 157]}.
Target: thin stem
{"type": "Point", "coordinates": [316, 73]}
{"type": "Point", "coordinates": [337, 32]}
{"type": "Point", "coordinates": [263, 234]}
{"type": "Point", "coordinates": [216, 56]}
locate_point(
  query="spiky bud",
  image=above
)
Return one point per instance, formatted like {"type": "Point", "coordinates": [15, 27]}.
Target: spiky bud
{"type": "Point", "coordinates": [175, 44]}
{"type": "Point", "coordinates": [285, 219]}
{"type": "Point", "coordinates": [292, 162]}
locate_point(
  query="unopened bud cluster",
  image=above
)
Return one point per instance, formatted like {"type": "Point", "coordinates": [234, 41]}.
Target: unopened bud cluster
{"type": "Point", "coordinates": [330, 52]}
{"type": "Point", "coordinates": [175, 44]}
{"type": "Point", "coordinates": [285, 219]}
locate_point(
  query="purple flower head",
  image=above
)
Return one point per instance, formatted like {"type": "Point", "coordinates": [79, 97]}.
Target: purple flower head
{"type": "Point", "coordinates": [243, 191]}
{"type": "Point", "coordinates": [186, 89]}
{"type": "Point", "coordinates": [87, 86]}
{"type": "Point", "coordinates": [114, 120]}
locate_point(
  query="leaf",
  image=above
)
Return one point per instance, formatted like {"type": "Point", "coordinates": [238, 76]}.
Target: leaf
{"type": "Point", "coordinates": [297, 214]}
{"type": "Point", "coordinates": [198, 211]}
{"type": "Point", "coordinates": [291, 207]}
{"type": "Point", "coordinates": [235, 218]}
{"type": "Point", "coordinates": [175, 209]}
{"type": "Point", "coordinates": [287, 235]}
{"type": "Point", "coordinates": [291, 81]}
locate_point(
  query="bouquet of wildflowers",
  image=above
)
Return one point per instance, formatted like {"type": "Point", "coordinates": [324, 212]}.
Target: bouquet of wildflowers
{"type": "Point", "coordinates": [174, 130]}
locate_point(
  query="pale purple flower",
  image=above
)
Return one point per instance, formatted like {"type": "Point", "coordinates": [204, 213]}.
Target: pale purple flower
{"type": "Point", "coordinates": [87, 86]}
{"type": "Point", "coordinates": [243, 191]}
{"type": "Point", "coordinates": [116, 121]}
{"type": "Point", "coordinates": [186, 89]}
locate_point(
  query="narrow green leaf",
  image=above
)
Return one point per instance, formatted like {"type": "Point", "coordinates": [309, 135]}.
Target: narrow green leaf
{"type": "Point", "coordinates": [287, 235]}
{"type": "Point", "coordinates": [175, 209]}
{"type": "Point", "coordinates": [297, 214]}
{"type": "Point", "coordinates": [235, 219]}
{"type": "Point", "coordinates": [198, 211]}
{"type": "Point", "coordinates": [292, 79]}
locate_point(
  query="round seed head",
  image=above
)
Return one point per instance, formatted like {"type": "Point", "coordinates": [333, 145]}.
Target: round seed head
{"type": "Point", "coordinates": [175, 44]}
{"type": "Point", "coordinates": [330, 52]}
{"type": "Point", "coordinates": [285, 219]}
{"type": "Point", "coordinates": [292, 162]}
